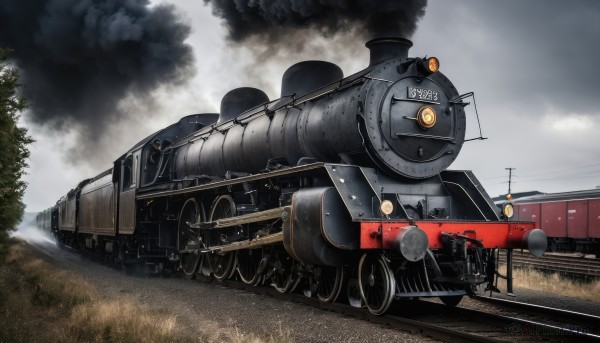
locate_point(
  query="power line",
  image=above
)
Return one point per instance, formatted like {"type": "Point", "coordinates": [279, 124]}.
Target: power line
{"type": "Point", "coordinates": [587, 168]}
{"type": "Point", "coordinates": [584, 168]}
{"type": "Point", "coordinates": [562, 178]}
{"type": "Point", "coordinates": [549, 179]}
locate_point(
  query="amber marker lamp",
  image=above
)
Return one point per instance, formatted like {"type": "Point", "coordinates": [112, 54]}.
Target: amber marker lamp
{"type": "Point", "coordinates": [508, 210]}
{"type": "Point", "coordinates": [426, 117]}
{"type": "Point", "coordinates": [386, 207]}
{"type": "Point", "coordinates": [433, 64]}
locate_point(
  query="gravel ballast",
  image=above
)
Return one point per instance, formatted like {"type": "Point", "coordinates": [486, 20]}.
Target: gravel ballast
{"type": "Point", "coordinates": [227, 312]}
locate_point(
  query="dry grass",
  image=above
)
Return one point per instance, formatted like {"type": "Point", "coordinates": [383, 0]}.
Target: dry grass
{"type": "Point", "coordinates": [39, 303]}
{"type": "Point", "coordinates": [50, 288]}
{"type": "Point", "coordinates": [554, 283]}
{"type": "Point", "coordinates": [117, 321]}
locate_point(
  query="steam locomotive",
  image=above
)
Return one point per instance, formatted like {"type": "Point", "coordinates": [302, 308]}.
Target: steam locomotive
{"type": "Point", "coordinates": [340, 186]}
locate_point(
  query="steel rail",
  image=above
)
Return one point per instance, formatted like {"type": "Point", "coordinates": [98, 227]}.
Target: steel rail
{"type": "Point", "coordinates": [578, 317]}
{"type": "Point", "coordinates": [411, 322]}
{"type": "Point", "coordinates": [438, 331]}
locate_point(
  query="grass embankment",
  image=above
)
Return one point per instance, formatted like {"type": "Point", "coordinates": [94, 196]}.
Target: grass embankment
{"type": "Point", "coordinates": [554, 283]}
{"type": "Point", "coordinates": [39, 303]}
{"type": "Point", "coordinates": [42, 304]}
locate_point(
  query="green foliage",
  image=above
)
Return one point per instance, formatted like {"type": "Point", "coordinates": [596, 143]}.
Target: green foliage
{"type": "Point", "coordinates": [13, 146]}
{"type": "Point", "coordinates": [5, 242]}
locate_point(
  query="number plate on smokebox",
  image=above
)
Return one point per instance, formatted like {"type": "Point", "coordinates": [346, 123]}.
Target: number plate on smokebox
{"type": "Point", "coordinates": [422, 94]}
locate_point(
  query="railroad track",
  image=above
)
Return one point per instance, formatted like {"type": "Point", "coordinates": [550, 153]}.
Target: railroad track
{"type": "Point", "coordinates": [438, 321]}
{"type": "Point", "coordinates": [570, 321]}
{"type": "Point", "coordinates": [505, 321]}
{"type": "Point", "coordinates": [571, 266]}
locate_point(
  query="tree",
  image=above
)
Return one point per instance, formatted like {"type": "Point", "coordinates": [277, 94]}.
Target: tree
{"type": "Point", "coordinates": [13, 146]}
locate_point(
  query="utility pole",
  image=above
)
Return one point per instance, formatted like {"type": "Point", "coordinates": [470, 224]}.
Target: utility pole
{"type": "Point", "coordinates": [509, 178]}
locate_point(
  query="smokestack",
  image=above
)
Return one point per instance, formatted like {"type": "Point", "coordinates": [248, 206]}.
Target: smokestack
{"type": "Point", "coordinates": [387, 48]}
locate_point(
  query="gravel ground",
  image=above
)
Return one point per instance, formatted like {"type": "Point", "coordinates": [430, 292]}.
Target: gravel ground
{"type": "Point", "coordinates": [197, 305]}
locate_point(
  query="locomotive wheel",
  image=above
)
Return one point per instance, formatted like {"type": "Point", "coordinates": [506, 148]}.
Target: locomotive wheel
{"type": "Point", "coordinates": [204, 273]}
{"type": "Point", "coordinates": [189, 264]}
{"type": "Point", "coordinates": [452, 300]}
{"type": "Point", "coordinates": [248, 263]}
{"type": "Point", "coordinates": [166, 269]}
{"type": "Point", "coordinates": [223, 265]}
{"type": "Point", "coordinates": [353, 294]}
{"type": "Point", "coordinates": [285, 275]}
{"type": "Point", "coordinates": [189, 260]}
{"type": "Point", "coordinates": [331, 281]}
{"type": "Point", "coordinates": [376, 282]}
{"type": "Point", "coordinates": [309, 287]}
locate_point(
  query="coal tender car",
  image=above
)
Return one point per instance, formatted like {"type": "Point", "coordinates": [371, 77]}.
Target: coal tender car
{"type": "Point", "coordinates": [339, 186]}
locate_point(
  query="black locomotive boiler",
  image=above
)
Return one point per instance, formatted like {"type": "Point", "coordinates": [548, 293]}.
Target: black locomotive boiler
{"type": "Point", "coordinates": [340, 185]}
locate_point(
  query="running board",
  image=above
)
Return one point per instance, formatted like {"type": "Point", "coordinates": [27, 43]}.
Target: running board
{"type": "Point", "coordinates": [253, 243]}
{"type": "Point", "coordinates": [261, 216]}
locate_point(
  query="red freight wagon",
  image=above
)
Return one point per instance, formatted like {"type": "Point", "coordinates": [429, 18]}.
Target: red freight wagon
{"type": "Point", "coordinates": [528, 212]}
{"type": "Point", "coordinates": [577, 217]}
{"type": "Point", "coordinates": [594, 219]}
{"type": "Point", "coordinates": [553, 220]}
{"type": "Point", "coordinates": [571, 220]}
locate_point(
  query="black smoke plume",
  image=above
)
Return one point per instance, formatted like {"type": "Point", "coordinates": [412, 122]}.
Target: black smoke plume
{"type": "Point", "coordinates": [272, 19]}
{"type": "Point", "coordinates": [80, 58]}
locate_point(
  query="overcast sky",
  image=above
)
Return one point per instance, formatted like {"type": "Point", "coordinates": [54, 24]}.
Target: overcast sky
{"type": "Point", "coordinates": [533, 66]}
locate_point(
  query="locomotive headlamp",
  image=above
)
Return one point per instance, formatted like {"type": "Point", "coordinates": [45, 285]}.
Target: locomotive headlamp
{"type": "Point", "coordinates": [386, 207]}
{"type": "Point", "coordinates": [426, 117]}
{"type": "Point", "coordinates": [433, 64]}
{"type": "Point", "coordinates": [507, 210]}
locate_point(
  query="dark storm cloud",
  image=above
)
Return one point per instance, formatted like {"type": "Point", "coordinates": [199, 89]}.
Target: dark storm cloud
{"type": "Point", "coordinates": [535, 52]}
{"type": "Point", "coordinates": [532, 65]}
{"type": "Point", "coordinates": [79, 58]}
{"type": "Point", "coordinates": [272, 20]}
